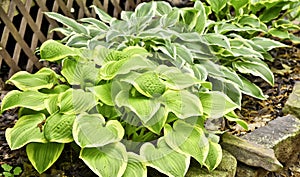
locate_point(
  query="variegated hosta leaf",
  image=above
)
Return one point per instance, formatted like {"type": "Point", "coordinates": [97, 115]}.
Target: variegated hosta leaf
{"type": "Point", "coordinates": [135, 166]}
{"type": "Point", "coordinates": [175, 78]}
{"type": "Point", "coordinates": [76, 101]}
{"type": "Point", "coordinates": [43, 155]}
{"type": "Point", "coordinates": [27, 129]}
{"type": "Point", "coordinates": [214, 156]}
{"type": "Point", "coordinates": [91, 130]}
{"type": "Point", "coordinates": [157, 122]}
{"type": "Point", "coordinates": [124, 66]}
{"type": "Point", "coordinates": [143, 107]}
{"type": "Point", "coordinates": [78, 73]}
{"type": "Point", "coordinates": [182, 103]}
{"type": "Point", "coordinates": [58, 128]}
{"type": "Point", "coordinates": [53, 51]}
{"type": "Point", "coordinates": [251, 89]}
{"type": "Point", "coordinates": [108, 160]}
{"type": "Point", "coordinates": [235, 118]}
{"type": "Point", "coordinates": [255, 69]}
{"type": "Point", "coordinates": [187, 139]}
{"type": "Point", "coordinates": [217, 5]}
{"type": "Point", "coordinates": [103, 92]}
{"type": "Point", "coordinates": [51, 103]}
{"type": "Point", "coordinates": [216, 104]}
{"type": "Point", "coordinates": [267, 44]}
{"type": "Point", "coordinates": [102, 14]}
{"type": "Point", "coordinates": [165, 159]}
{"type": "Point", "coordinates": [28, 99]}
{"type": "Point", "coordinates": [229, 88]}
{"type": "Point", "coordinates": [45, 78]}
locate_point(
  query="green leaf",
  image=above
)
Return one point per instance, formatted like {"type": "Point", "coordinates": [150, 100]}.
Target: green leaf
{"type": "Point", "coordinates": [249, 20]}
{"type": "Point", "coordinates": [91, 130]}
{"type": "Point", "coordinates": [28, 99]}
{"type": "Point", "coordinates": [217, 5]}
{"type": "Point", "coordinates": [51, 103]}
{"type": "Point", "coordinates": [255, 69]}
{"type": "Point", "coordinates": [165, 159]}
{"type": "Point", "coordinates": [280, 33]}
{"type": "Point", "coordinates": [187, 139]}
{"type": "Point", "coordinates": [45, 78]}
{"type": "Point", "coordinates": [69, 22]}
{"type": "Point", "coordinates": [43, 155]}
{"type": "Point", "coordinates": [25, 131]}
{"type": "Point", "coordinates": [157, 122]}
{"type": "Point", "coordinates": [7, 174]}
{"type": "Point", "coordinates": [214, 156]}
{"type": "Point", "coordinates": [78, 73]}
{"type": "Point", "coordinates": [182, 103]}
{"type": "Point", "coordinates": [58, 128]}
{"type": "Point", "coordinates": [270, 13]}
{"type": "Point", "coordinates": [184, 54]}
{"type": "Point", "coordinates": [170, 19]}
{"type": "Point", "coordinates": [143, 107]}
{"type": "Point", "coordinates": [217, 39]}
{"type": "Point", "coordinates": [201, 19]}
{"type": "Point", "coordinates": [251, 89]}
{"type": "Point", "coordinates": [234, 118]}
{"type": "Point", "coordinates": [53, 51]}
{"type": "Point", "coordinates": [124, 66]}
{"type": "Point", "coordinates": [267, 44]}
{"type": "Point", "coordinates": [175, 79]}
{"type": "Point", "coordinates": [163, 8]}
{"type": "Point", "coordinates": [76, 101]}
{"type": "Point", "coordinates": [109, 160]}
{"type": "Point", "coordinates": [245, 51]}
{"type": "Point", "coordinates": [228, 87]}
{"type": "Point", "coordinates": [238, 4]}
{"type": "Point", "coordinates": [216, 104]}
{"type": "Point", "coordinates": [200, 72]}
{"type": "Point", "coordinates": [17, 171]}
{"type": "Point", "coordinates": [102, 15]}
{"type": "Point", "coordinates": [135, 166]}
{"type": "Point", "coordinates": [77, 41]}
{"type": "Point", "coordinates": [145, 10]}
{"type": "Point", "coordinates": [149, 84]}
{"type": "Point", "coordinates": [103, 92]}
{"type": "Point", "coordinates": [135, 50]}
{"type": "Point", "coordinates": [97, 23]}
{"type": "Point", "coordinates": [6, 167]}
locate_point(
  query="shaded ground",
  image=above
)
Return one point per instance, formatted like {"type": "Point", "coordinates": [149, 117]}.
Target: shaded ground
{"type": "Point", "coordinates": [257, 113]}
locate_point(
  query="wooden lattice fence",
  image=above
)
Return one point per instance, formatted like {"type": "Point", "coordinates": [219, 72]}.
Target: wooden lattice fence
{"type": "Point", "coordinates": [23, 27]}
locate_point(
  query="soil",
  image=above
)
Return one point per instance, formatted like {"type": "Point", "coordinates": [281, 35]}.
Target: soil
{"type": "Point", "coordinates": [256, 113]}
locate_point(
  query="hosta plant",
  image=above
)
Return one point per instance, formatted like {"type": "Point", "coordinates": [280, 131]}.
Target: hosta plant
{"type": "Point", "coordinates": [136, 92]}
{"type": "Point", "coordinates": [123, 108]}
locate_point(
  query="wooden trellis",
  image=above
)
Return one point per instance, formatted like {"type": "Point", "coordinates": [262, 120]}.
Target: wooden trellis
{"type": "Point", "coordinates": [23, 27]}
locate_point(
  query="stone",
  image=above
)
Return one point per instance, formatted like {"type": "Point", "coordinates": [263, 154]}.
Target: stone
{"type": "Point", "coordinates": [292, 105]}
{"type": "Point", "coordinates": [282, 135]}
{"type": "Point", "coordinates": [227, 168]}
{"type": "Point", "coordinates": [250, 153]}
{"type": "Point", "coordinates": [247, 171]}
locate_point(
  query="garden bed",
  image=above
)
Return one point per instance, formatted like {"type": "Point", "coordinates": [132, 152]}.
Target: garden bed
{"type": "Point", "coordinates": [158, 85]}
{"type": "Point", "coordinates": [256, 113]}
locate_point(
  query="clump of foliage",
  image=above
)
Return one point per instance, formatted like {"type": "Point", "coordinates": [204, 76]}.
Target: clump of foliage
{"type": "Point", "coordinates": [9, 171]}
{"type": "Point", "coordinates": [136, 92]}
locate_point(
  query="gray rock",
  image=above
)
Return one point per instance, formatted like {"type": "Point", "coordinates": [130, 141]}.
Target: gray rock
{"type": "Point", "coordinates": [247, 171]}
{"type": "Point", "coordinates": [292, 105]}
{"type": "Point", "coordinates": [250, 153]}
{"type": "Point", "coordinates": [282, 135]}
{"type": "Point", "coordinates": [227, 168]}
